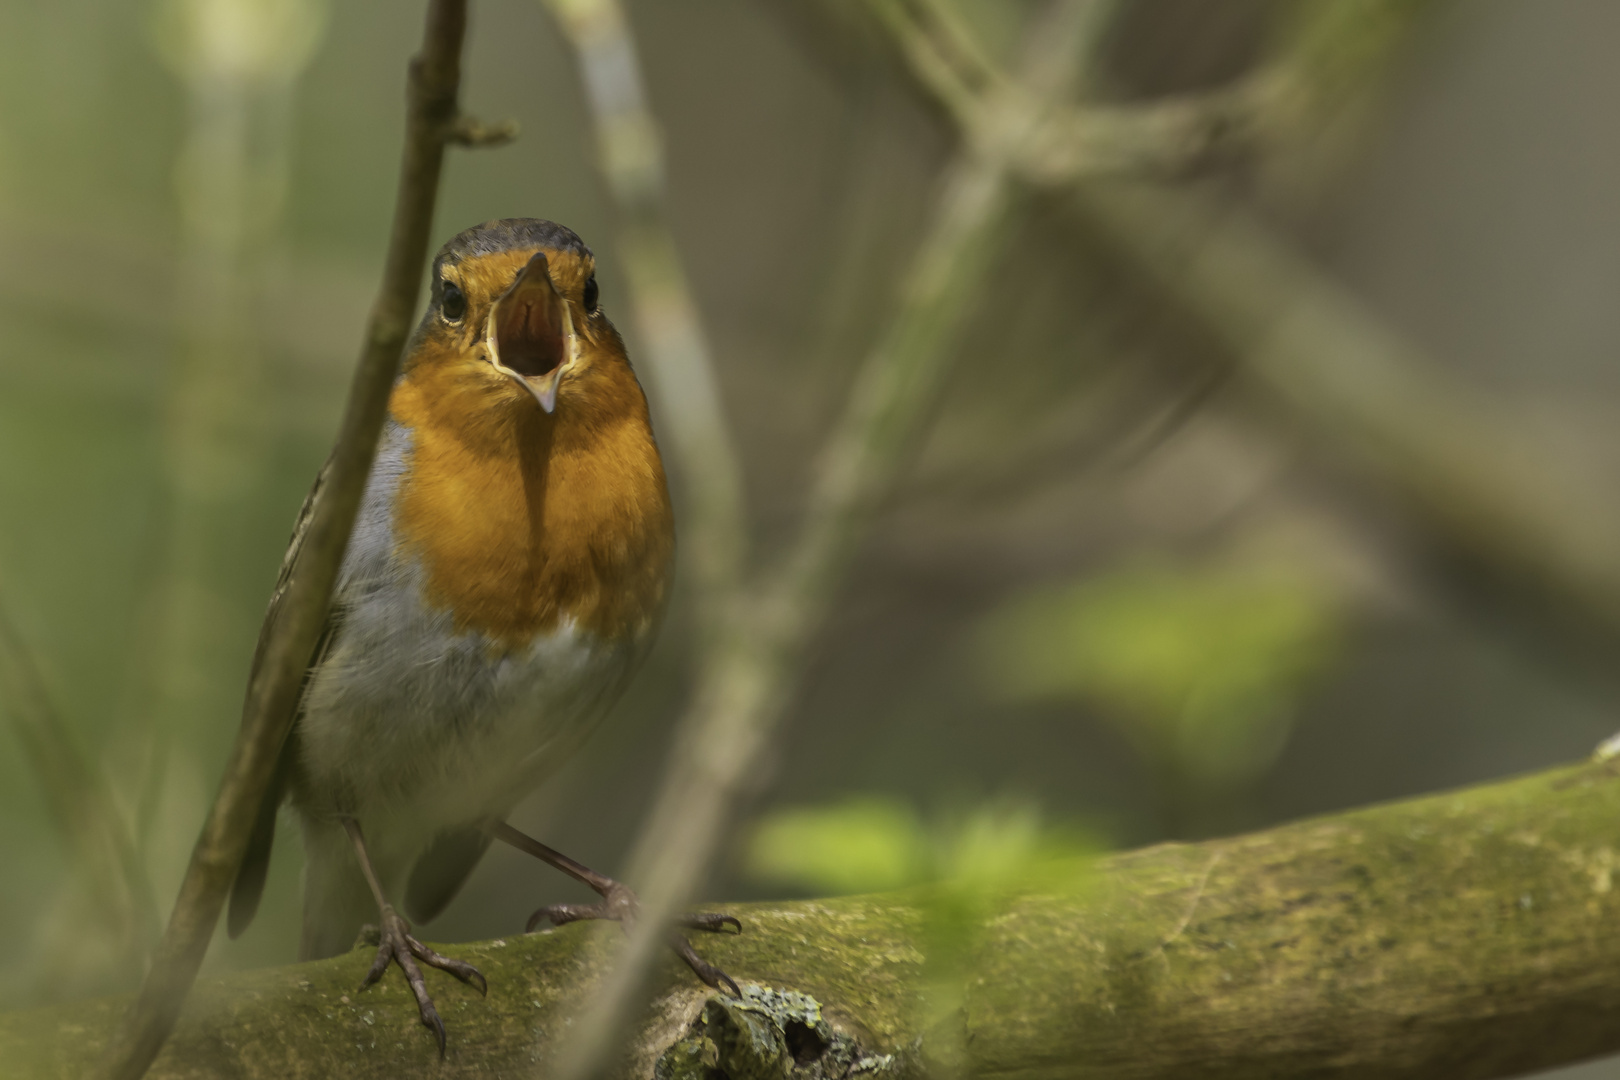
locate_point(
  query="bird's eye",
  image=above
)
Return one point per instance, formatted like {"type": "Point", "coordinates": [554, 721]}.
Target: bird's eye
{"type": "Point", "coordinates": [590, 295]}
{"type": "Point", "coordinates": [453, 304]}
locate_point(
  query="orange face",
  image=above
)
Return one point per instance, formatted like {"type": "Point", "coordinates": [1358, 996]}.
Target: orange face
{"type": "Point", "coordinates": [529, 315]}
{"type": "Point", "coordinates": [535, 493]}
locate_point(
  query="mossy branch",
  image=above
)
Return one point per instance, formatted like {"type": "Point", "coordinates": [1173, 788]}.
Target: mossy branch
{"type": "Point", "coordinates": [1469, 934]}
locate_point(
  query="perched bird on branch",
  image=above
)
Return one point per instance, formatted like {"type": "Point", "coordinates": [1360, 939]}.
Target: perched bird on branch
{"type": "Point", "coordinates": [505, 578]}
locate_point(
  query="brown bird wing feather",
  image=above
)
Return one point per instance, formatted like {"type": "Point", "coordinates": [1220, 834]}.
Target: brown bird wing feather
{"type": "Point", "coordinates": [248, 888]}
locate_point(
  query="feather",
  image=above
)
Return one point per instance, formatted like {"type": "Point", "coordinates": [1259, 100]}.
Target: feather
{"type": "Point", "coordinates": [442, 869]}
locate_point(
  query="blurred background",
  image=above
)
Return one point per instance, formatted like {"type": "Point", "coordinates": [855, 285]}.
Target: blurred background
{"type": "Point", "coordinates": [1133, 579]}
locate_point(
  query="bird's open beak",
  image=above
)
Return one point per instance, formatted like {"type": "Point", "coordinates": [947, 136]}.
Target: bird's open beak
{"type": "Point", "coordinates": [530, 334]}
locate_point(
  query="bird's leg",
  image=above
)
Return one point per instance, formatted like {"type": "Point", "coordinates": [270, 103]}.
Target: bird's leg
{"type": "Point", "coordinates": [396, 945]}
{"type": "Point", "coordinates": [619, 904]}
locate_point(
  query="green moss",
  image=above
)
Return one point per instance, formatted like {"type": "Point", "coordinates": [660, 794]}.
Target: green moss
{"type": "Point", "coordinates": [1464, 935]}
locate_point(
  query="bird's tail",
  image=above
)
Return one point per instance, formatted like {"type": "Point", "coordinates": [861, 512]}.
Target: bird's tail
{"type": "Point", "coordinates": [337, 901]}
{"type": "Point", "coordinates": [248, 888]}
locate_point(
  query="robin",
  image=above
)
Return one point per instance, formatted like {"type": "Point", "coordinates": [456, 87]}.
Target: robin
{"type": "Point", "coordinates": [505, 578]}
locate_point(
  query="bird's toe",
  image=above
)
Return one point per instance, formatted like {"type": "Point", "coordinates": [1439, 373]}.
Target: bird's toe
{"type": "Point", "coordinates": [396, 945]}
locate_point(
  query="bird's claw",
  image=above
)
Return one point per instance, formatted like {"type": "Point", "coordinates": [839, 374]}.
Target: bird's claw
{"type": "Point", "coordinates": [558, 914]}
{"type": "Point", "coordinates": [396, 945]}
{"type": "Point", "coordinates": [711, 975]}
{"type": "Point", "coordinates": [712, 921]}
{"type": "Point", "coordinates": [619, 905]}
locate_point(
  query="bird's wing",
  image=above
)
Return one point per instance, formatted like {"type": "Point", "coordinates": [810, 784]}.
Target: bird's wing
{"type": "Point", "coordinates": [279, 594]}
{"type": "Point", "coordinates": [249, 884]}
{"type": "Point", "coordinates": [442, 869]}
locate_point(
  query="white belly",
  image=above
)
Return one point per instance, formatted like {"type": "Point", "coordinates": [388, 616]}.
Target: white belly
{"type": "Point", "coordinates": [414, 728]}
{"type": "Point", "coordinates": [408, 722]}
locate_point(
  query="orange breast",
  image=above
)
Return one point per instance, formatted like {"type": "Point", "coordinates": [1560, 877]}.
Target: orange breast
{"type": "Point", "coordinates": [523, 520]}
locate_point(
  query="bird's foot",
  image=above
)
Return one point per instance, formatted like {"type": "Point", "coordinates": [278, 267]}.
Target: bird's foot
{"type": "Point", "coordinates": [396, 945]}
{"type": "Point", "coordinates": [620, 905]}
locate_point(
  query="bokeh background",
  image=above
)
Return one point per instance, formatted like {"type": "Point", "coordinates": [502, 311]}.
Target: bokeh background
{"type": "Point", "coordinates": [1120, 586]}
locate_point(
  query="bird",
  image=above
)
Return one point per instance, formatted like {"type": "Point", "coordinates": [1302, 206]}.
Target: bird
{"type": "Point", "coordinates": [507, 573]}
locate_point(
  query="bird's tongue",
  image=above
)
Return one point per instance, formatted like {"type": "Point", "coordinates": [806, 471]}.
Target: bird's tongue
{"type": "Point", "coordinates": [530, 333]}
{"type": "Point", "coordinates": [530, 338]}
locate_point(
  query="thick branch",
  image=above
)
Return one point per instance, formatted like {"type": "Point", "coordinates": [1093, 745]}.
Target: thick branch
{"type": "Point", "coordinates": [298, 613]}
{"type": "Point", "coordinates": [1463, 935]}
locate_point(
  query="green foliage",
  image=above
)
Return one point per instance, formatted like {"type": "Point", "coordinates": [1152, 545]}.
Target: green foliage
{"type": "Point", "coordinates": [962, 871]}
{"type": "Point", "coordinates": [861, 845]}
{"type": "Point", "coordinates": [869, 844]}
{"type": "Point", "coordinates": [1198, 666]}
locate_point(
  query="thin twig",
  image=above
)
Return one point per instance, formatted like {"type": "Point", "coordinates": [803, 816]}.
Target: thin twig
{"type": "Point", "coordinates": [435, 76]}
{"type": "Point", "coordinates": [746, 675]}
{"type": "Point", "coordinates": [1451, 454]}
{"type": "Point", "coordinates": [471, 132]}
{"type": "Point", "coordinates": [1185, 921]}
{"type": "Point", "coordinates": [1083, 140]}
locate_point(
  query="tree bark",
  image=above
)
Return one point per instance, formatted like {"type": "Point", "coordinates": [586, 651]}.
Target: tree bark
{"type": "Point", "coordinates": [1463, 935]}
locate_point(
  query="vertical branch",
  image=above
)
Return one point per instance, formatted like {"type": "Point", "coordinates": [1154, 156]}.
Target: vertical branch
{"type": "Point", "coordinates": [746, 674]}
{"type": "Point", "coordinates": [892, 389]}
{"type": "Point", "coordinates": [679, 360]}
{"type": "Point", "coordinates": [298, 614]}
